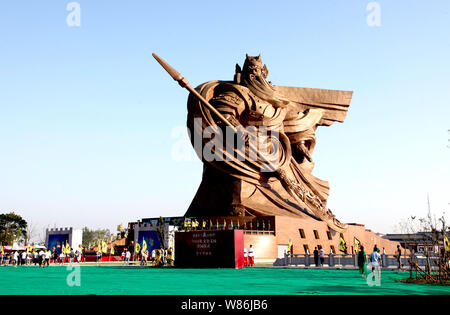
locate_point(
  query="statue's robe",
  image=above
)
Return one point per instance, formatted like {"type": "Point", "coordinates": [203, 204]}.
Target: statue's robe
{"type": "Point", "coordinates": [233, 186]}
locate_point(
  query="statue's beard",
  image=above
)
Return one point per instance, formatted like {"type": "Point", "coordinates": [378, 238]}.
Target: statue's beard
{"type": "Point", "coordinates": [259, 86]}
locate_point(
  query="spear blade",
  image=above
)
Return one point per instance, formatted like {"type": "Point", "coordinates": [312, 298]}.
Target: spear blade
{"type": "Point", "coordinates": [170, 70]}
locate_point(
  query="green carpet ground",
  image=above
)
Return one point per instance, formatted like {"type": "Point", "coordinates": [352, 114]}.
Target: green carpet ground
{"type": "Point", "coordinates": [250, 281]}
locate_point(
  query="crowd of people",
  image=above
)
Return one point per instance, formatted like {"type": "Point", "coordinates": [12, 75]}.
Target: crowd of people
{"type": "Point", "coordinates": [158, 257]}
{"type": "Point", "coordinates": [42, 257]}
{"type": "Point", "coordinates": [45, 257]}
{"type": "Point", "coordinates": [24, 258]}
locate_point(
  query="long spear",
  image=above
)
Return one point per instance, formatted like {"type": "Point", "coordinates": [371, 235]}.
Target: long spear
{"type": "Point", "coordinates": [184, 83]}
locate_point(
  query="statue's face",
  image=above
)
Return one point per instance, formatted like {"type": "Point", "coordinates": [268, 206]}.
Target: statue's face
{"type": "Point", "coordinates": [254, 66]}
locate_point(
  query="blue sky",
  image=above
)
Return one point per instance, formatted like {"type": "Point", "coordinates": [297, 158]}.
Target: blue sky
{"type": "Point", "coordinates": [87, 117]}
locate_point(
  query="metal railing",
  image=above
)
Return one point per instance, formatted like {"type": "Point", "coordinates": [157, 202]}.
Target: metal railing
{"type": "Point", "coordinates": [259, 232]}
{"type": "Point", "coordinates": [349, 260]}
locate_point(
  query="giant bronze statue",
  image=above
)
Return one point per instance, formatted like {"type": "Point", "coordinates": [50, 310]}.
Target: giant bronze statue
{"type": "Point", "coordinates": [272, 174]}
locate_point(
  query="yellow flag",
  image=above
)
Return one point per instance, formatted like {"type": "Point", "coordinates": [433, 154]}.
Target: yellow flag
{"type": "Point", "coordinates": [203, 224]}
{"type": "Point", "coordinates": [446, 243]}
{"type": "Point", "coordinates": [342, 245]}
{"type": "Point", "coordinates": [138, 248]}
{"type": "Point", "coordinates": [34, 248]}
{"type": "Point", "coordinates": [112, 249]}
{"type": "Point", "coordinates": [2, 251]}
{"type": "Point", "coordinates": [144, 245]}
{"type": "Point", "coordinates": [356, 246]}
{"type": "Point", "coordinates": [290, 245]}
{"type": "Point", "coordinates": [29, 248]}
{"type": "Point", "coordinates": [104, 247]}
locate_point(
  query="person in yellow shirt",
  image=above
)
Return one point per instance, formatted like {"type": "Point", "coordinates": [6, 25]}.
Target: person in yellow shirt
{"type": "Point", "coordinates": [157, 258]}
{"type": "Point", "coordinates": [170, 256]}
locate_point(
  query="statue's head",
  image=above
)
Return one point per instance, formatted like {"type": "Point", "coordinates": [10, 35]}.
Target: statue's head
{"type": "Point", "coordinates": [253, 67]}
{"type": "Point", "coordinates": [253, 76]}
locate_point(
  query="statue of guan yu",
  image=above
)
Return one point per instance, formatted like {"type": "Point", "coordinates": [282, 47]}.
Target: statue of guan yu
{"type": "Point", "coordinates": [265, 168]}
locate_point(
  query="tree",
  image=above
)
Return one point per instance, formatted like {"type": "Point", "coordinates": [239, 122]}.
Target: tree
{"type": "Point", "coordinates": [41, 236]}
{"type": "Point", "coordinates": [434, 233]}
{"type": "Point", "coordinates": [93, 236]}
{"type": "Point", "coordinates": [30, 232]}
{"type": "Point", "coordinates": [410, 227]}
{"type": "Point", "coordinates": [12, 228]}
{"type": "Point", "coordinates": [161, 232]}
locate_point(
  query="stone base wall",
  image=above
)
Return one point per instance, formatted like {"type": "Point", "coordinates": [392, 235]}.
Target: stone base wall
{"type": "Point", "coordinates": [289, 228]}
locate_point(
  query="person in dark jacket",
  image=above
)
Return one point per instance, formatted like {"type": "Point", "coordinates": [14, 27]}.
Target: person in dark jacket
{"type": "Point", "coordinates": [316, 256]}
{"type": "Point", "coordinates": [362, 262]}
